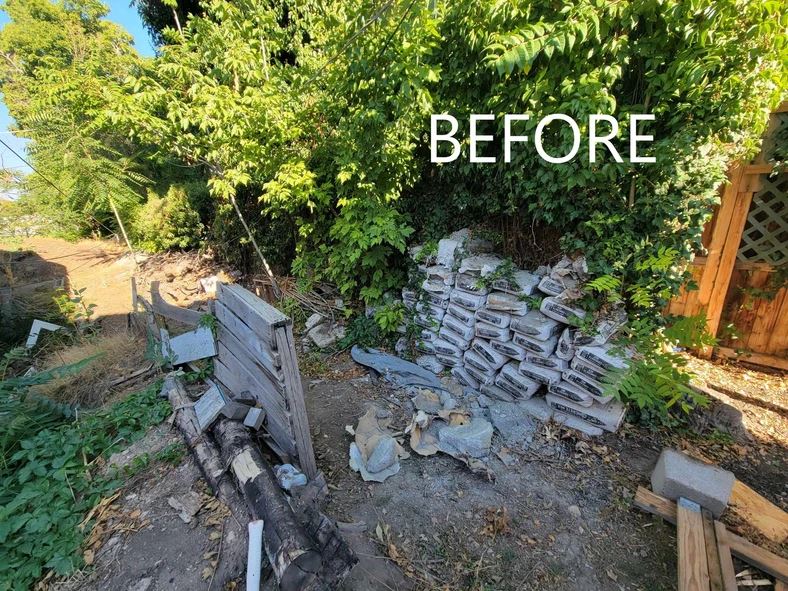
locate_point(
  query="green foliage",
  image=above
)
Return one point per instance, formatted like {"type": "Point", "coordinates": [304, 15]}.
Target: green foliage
{"type": "Point", "coordinates": [168, 222]}
{"type": "Point", "coordinates": [362, 331]}
{"type": "Point", "coordinates": [50, 483]}
{"type": "Point", "coordinates": [389, 317]}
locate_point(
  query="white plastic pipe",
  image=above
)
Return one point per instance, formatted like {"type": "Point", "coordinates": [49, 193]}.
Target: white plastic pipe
{"type": "Point", "coordinates": [254, 558]}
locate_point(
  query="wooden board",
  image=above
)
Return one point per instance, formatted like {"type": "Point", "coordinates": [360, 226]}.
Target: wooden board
{"type": "Point", "coordinates": [254, 342]}
{"type": "Point", "coordinates": [756, 358]}
{"type": "Point", "coordinates": [759, 512]}
{"type": "Point", "coordinates": [713, 559]}
{"type": "Point", "coordinates": [726, 560]}
{"type": "Point", "coordinates": [653, 503]}
{"type": "Point", "coordinates": [163, 308]}
{"type": "Point", "coordinates": [295, 400]}
{"type": "Point", "coordinates": [693, 567]}
{"type": "Point", "coordinates": [273, 380]}
{"type": "Point", "coordinates": [262, 318]}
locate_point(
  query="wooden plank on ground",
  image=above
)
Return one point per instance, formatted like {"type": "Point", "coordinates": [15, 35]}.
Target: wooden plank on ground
{"type": "Point", "coordinates": [713, 559]}
{"type": "Point", "coordinates": [250, 379]}
{"type": "Point", "coordinates": [758, 557]}
{"type": "Point", "coordinates": [295, 400]}
{"type": "Point", "coordinates": [256, 344]}
{"type": "Point", "coordinates": [759, 512]}
{"type": "Point", "coordinates": [163, 308]}
{"type": "Point", "coordinates": [726, 560]}
{"type": "Point", "coordinates": [653, 503]}
{"type": "Point", "coordinates": [261, 317]}
{"type": "Point", "coordinates": [756, 358]}
{"type": "Point", "coordinates": [693, 567]}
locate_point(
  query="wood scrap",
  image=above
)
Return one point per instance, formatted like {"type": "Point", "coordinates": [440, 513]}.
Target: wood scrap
{"type": "Point", "coordinates": [747, 551]}
{"type": "Point", "coordinates": [759, 512]}
{"type": "Point", "coordinates": [693, 566]}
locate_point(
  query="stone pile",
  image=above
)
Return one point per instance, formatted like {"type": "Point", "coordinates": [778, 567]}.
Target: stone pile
{"type": "Point", "coordinates": [508, 335]}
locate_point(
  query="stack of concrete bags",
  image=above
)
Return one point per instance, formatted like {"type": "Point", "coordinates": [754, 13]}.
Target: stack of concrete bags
{"type": "Point", "coordinates": [485, 330]}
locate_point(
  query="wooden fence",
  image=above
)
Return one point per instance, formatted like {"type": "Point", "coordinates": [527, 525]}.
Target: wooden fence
{"type": "Point", "coordinates": [741, 278]}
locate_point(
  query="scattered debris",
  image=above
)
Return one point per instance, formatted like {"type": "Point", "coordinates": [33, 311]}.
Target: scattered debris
{"type": "Point", "coordinates": [254, 418]}
{"type": "Point", "coordinates": [255, 555]}
{"type": "Point", "coordinates": [395, 370]}
{"type": "Point", "coordinates": [324, 331]}
{"type": "Point", "coordinates": [375, 454]}
{"type": "Point", "coordinates": [187, 505]}
{"type": "Point", "coordinates": [209, 406]}
{"type": "Point", "coordinates": [35, 331]}
{"type": "Point", "coordinates": [289, 476]}
{"type": "Point", "coordinates": [473, 439]}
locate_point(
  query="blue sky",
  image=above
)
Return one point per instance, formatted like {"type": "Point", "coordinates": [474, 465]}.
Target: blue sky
{"type": "Point", "coordinates": [120, 12]}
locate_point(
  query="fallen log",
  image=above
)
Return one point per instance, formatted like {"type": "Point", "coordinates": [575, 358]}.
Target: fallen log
{"type": "Point", "coordinates": [205, 451]}
{"type": "Point", "coordinates": [293, 554]}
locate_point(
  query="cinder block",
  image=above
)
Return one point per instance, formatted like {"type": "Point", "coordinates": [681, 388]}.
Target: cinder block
{"type": "Point", "coordinates": [678, 475]}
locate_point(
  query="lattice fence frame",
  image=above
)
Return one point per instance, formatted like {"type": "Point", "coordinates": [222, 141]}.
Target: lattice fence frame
{"type": "Point", "coordinates": [765, 235]}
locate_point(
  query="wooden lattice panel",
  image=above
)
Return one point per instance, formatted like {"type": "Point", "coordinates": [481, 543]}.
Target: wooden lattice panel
{"type": "Point", "coordinates": [765, 237]}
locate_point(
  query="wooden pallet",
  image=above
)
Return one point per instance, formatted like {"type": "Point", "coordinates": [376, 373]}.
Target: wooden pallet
{"type": "Point", "coordinates": [706, 547]}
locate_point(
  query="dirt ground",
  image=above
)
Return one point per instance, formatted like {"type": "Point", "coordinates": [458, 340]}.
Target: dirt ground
{"type": "Point", "coordinates": [557, 515]}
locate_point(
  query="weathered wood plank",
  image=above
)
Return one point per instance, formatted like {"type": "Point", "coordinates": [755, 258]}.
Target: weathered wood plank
{"type": "Point", "coordinates": [758, 557]}
{"type": "Point", "coordinates": [712, 552]}
{"type": "Point", "coordinates": [163, 308]}
{"type": "Point", "coordinates": [278, 422]}
{"type": "Point", "coordinates": [295, 400]}
{"type": "Point", "coordinates": [273, 379]}
{"type": "Point", "coordinates": [759, 512]}
{"type": "Point", "coordinates": [257, 344]}
{"type": "Point", "coordinates": [262, 318]}
{"type": "Point", "coordinates": [655, 504]}
{"type": "Point", "coordinates": [693, 568]}
{"type": "Point", "coordinates": [756, 358]}
{"type": "Point", "coordinates": [726, 560]}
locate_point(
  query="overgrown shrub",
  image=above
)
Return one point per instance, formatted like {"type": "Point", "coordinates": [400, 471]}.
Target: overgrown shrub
{"type": "Point", "coordinates": [167, 222]}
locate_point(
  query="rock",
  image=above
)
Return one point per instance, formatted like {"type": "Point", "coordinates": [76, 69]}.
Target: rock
{"type": "Point", "coordinates": [357, 463]}
{"type": "Point", "coordinates": [141, 585]}
{"type": "Point", "coordinates": [313, 321]}
{"type": "Point", "coordinates": [324, 334]}
{"type": "Point", "coordinates": [513, 421]}
{"type": "Point", "coordinates": [574, 511]}
{"type": "Point", "coordinates": [187, 505]}
{"type": "Point", "coordinates": [473, 439]}
{"type": "Point", "coordinates": [383, 456]}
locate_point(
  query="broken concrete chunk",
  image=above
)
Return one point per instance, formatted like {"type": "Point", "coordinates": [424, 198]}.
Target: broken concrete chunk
{"type": "Point", "coordinates": [536, 325]}
{"type": "Point", "coordinates": [313, 321]}
{"type": "Point", "coordinates": [187, 505]}
{"type": "Point", "coordinates": [473, 439]}
{"type": "Point", "coordinates": [383, 456]}
{"type": "Point", "coordinates": [481, 264]}
{"type": "Point", "coordinates": [608, 417]}
{"type": "Point", "coordinates": [254, 418]}
{"type": "Point", "coordinates": [512, 421]}
{"type": "Point", "coordinates": [678, 475]}
{"type": "Point", "coordinates": [326, 334]}
{"type": "Point", "coordinates": [537, 408]}
{"type": "Point", "coordinates": [506, 302]}
{"type": "Point", "coordinates": [441, 273]}
{"type": "Point", "coordinates": [375, 453]}
{"type": "Point", "coordinates": [431, 363]}
{"type": "Point", "coordinates": [447, 249]}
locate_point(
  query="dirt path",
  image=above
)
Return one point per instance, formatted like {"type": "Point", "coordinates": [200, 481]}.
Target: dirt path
{"type": "Point", "coordinates": [101, 267]}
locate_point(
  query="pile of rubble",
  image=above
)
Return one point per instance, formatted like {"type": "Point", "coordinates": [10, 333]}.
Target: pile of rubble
{"type": "Point", "coordinates": [510, 335]}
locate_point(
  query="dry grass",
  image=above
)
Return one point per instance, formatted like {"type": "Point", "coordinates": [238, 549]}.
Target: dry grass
{"type": "Point", "coordinates": [115, 355]}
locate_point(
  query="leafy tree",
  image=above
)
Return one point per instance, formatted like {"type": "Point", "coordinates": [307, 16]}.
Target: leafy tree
{"type": "Point", "coordinates": [159, 15]}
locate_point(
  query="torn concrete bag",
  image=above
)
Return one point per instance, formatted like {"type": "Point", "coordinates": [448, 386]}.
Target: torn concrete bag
{"type": "Point", "coordinates": [430, 362]}
{"type": "Point", "coordinates": [447, 249]}
{"type": "Point", "coordinates": [539, 374]}
{"type": "Point", "coordinates": [558, 310]}
{"type": "Point", "coordinates": [493, 358]}
{"type": "Point", "coordinates": [499, 319]}
{"type": "Point", "coordinates": [469, 301]}
{"type": "Point", "coordinates": [678, 475]}
{"type": "Point", "coordinates": [429, 336]}
{"type": "Point", "coordinates": [444, 347]}
{"type": "Point", "coordinates": [506, 302]}
{"type": "Point", "coordinates": [571, 392]}
{"type": "Point", "coordinates": [565, 349]}
{"type": "Point", "coordinates": [510, 349]}
{"type": "Point", "coordinates": [511, 380]}
{"type": "Point", "coordinates": [607, 417]}
{"type": "Point", "coordinates": [464, 378]}
{"type": "Point", "coordinates": [375, 453]}
{"type": "Point", "coordinates": [497, 393]}
{"type": "Point", "coordinates": [551, 287]}
{"type": "Point", "coordinates": [471, 284]}
{"type": "Point", "coordinates": [455, 339]}
{"type": "Point", "coordinates": [409, 297]}
{"type": "Point", "coordinates": [439, 273]}
{"type": "Point", "coordinates": [435, 312]}
{"type": "Point", "coordinates": [483, 377]}
{"type": "Point", "coordinates": [481, 264]}
{"type": "Point", "coordinates": [479, 363]}
{"type": "Point", "coordinates": [426, 321]}
{"type": "Point", "coordinates": [462, 315]}
{"type": "Point", "coordinates": [524, 284]}
{"type": "Point", "coordinates": [548, 362]}
{"type": "Point", "coordinates": [536, 325]}
{"type": "Point", "coordinates": [533, 345]}
{"type": "Point", "coordinates": [490, 331]}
